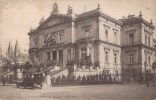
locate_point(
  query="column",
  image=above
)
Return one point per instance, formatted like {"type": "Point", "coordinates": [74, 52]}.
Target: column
{"type": "Point", "coordinates": [51, 55]}
{"type": "Point", "coordinates": [57, 52]}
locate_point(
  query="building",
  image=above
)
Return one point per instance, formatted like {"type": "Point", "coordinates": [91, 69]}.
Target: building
{"type": "Point", "coordinates": [0, 53]}
{"type": "Point", "coordinates": [94, 35]}
{"type": "Point", "coordinates": [16, 56]}
{"type": "Point", "coordinates": [138, 52]}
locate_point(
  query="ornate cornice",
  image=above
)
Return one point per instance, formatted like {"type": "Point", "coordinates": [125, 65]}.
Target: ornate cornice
{"type": "Point", "coordinates": [86, 40]}
{"type": "Point", "coordinates": [138, 45]}
{"type": "Point", "coordinates": [132, 20]}
{"type": "Point", "coordinates": [57, 46]}
{"type": "Point", "coordinates": [96, 13]}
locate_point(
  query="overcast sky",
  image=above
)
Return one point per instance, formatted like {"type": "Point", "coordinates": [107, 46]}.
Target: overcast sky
{"type": "Point", "coordinates": [17, 16]}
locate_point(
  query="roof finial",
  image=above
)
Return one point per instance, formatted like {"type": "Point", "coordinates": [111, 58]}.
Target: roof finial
{"type": "Point", "coordinates": [98, 8]}
{"type": "Point", "coordinates": [41, 20]}
{"type": "Point", "coordinates": [151, 22]}
{"type": "Point", "coordinates": [140, 14]}
{"type": "Point", "coordinates": [55, 8]}
{"type": "Point", "coordinates": [70, 10]}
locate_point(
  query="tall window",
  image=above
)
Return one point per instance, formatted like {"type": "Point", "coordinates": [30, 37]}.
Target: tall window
{"type": "Point", "coordinates": [131, 58]}
{"type": "Point", "coordinates": [60, 55]}
{"type": "Point", "coordinates": [146, 58]}
{"type": "Point", "coordinates": [55, 40]}
{"type": "Point", "coordinates": [106, 56]}
{"type": "Point", "coordinates": [149, 60]}
{"type": "Point", "coordinates": [115, 58]}
{"type": "Point", "coordinates": [54, 55]}
{"type": "Point", "coordinates": [87, 32]}
{"type": "Point", "coordinates": [145, 39]}
{"type": "Point", "coordinates": [115, 37]}
{"type": "Point", "coordinates": [69, 54]}
{"type": "Point", "coordinates": [83, 53]}
{"type": "Point", "coordinates": [131, 38]}
{"type": "Point", "coordinates": [149, 39]}
{"type": "Point", "coordinates": [32, 58]}
{"type": "Point", "coordinates": [60, 38]}
{"type": "Point", "coordinates": [106, 34]}
{"type": "Point", "coordinates": [48, 56]}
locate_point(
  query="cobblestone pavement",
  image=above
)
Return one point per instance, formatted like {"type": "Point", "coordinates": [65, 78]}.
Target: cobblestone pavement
{"type": "Point", "coordinates": [89, 92]}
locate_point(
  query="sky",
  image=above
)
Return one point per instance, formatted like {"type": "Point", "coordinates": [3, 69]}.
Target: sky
{"type": "Point", "coordinates": [17, 16]}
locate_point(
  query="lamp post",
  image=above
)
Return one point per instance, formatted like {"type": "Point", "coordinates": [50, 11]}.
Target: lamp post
{"type": "Point", "coordinates": [93, 49]}
{"type": "Point", "coordinates": [145, 64]}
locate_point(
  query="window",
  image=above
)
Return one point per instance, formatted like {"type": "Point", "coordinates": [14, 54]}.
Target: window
{"type": "Point", "coordinates": [149, 60]}
{"type": "Point", "coordinates": [54, 39]}
{"type": "Point", "coordinates": [54, 55]}
{"type": "Point", "coordinates": [116, 73]}
{"type": "Point", "coordinates": [36, 43]}
{"type": "Point", "coordinates": [149, 40]}
{"type": "Point", "coordinates": [86, 32]}
{"type": "Point", "coordinates": [60, 38]}
{"type": "Point", "coordinates": [32, 59]}
{"type": "Point", "coordinates": [106, 34]}
{"type": "Point", "coordinates": [83, 53]}
{"type": "Point", "coordinates": [131, 58]}
{"type": "Point", "coordinates": [146, 58]}
{"type": "Point", "coordinates": [115, 37]}
{"type": "Point", "coordinates": [131, 38]}
{"type": "Point", "coordinates": [60, 55]}
{"type": "Point", "coordinates": [69, 54]}
{"type": "Point", "coordinates": [106, 56]}
{"type": "Point", "coordinates": [48, 56]}
{"type": "Point", "coordinates": [37, 54]}
{"type": "Point", "coordinates": [145, 39]}
{"type": "Point", "coordinates": [115, 58]}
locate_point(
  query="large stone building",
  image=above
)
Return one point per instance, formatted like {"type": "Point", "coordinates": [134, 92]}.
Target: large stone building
{"type": "Point", "coordinates": [115, 44]}
{"type": "Point", "coordinates": [137, 46]}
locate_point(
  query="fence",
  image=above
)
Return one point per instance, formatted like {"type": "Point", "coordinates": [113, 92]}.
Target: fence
{"type": "Point", "coordinates": [86, 80]}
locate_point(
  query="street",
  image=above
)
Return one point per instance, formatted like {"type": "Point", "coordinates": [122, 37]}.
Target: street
{"type": "Point", "coordinates": [90, 92]}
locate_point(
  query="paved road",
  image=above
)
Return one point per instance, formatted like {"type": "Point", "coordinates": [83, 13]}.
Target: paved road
{"type": "Point", "coordinates": [90, 92]}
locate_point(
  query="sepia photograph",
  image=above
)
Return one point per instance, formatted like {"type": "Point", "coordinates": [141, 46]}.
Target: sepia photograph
{"type": "Point", "coordinates": [77, 50]}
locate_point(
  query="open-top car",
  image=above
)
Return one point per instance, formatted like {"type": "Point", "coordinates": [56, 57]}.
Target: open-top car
{"type": "Point", "coordinates": [31, 81]}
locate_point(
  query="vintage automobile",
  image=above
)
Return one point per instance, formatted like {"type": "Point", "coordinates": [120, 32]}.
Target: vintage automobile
{"type": "Point", "coordinates": [31, 81]}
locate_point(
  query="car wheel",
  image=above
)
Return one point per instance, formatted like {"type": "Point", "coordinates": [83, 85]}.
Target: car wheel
{"type": "Point", "coordinates": [17, 85]}
{"type": "Point", "coordinates": [25, 86]}
{"type": "Point", "coordinates": [40, 86]}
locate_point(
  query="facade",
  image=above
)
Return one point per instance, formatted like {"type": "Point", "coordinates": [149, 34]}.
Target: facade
{"type": "Point", "coordinates": [92, 34]}
{"type": "Point", "coordinates": [137, 46]}
{"type": "Point", "coordinates": [0, 57]}
{"type": "Point", "coordinates": [0, 53]}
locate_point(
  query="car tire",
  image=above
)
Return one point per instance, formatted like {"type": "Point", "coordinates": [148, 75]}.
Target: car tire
{"type": "Point", "coordinates": [17, 85]}
{"type": "Point", "coordinates": [25, 86]}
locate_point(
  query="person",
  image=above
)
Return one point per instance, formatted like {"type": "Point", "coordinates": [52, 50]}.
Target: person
{"type": "Point", "coordinates": [141, 79]}
{"type": "Point", "coordinates": [3, 80]}
{"type": "Point", "coordinates": [153, 79]}
{"type": "Point", "coordinates": [148, 78]}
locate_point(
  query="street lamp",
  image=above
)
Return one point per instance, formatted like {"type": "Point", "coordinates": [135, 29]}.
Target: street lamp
{"type": "Point", "coordinates": [145, 64]}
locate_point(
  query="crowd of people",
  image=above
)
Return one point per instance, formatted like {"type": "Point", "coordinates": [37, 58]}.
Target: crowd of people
{"type": "Point", "coordinates": [8, 79]}
{"type": "Point", "coordinates": [86, 80]}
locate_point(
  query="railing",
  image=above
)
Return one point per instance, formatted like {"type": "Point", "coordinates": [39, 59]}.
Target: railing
{"type": "Point", "coordinates": [86, 80]}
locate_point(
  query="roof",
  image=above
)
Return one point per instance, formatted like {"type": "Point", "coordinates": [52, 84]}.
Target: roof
{"type": "Point", "coordinates": [97, 13]}
{"type": "Point", "coordinates": [133, 19]}
{"type": "Point", "coordinates": [78, 17]}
